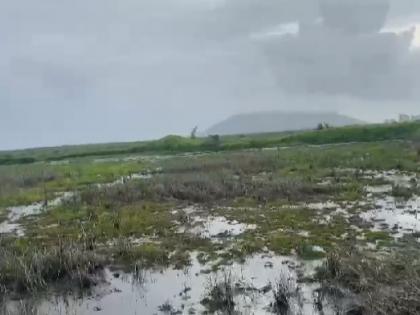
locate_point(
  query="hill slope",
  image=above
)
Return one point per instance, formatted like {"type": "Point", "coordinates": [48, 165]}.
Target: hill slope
{"type": "Point", "coordinates": [276, 121]}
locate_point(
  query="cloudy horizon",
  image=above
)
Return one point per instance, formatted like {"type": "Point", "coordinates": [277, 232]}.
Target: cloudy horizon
{"type": "Point", "coordinates": [106, 71]}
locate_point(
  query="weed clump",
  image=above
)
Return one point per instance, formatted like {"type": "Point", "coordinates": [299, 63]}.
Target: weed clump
{"type": "Point", "coordinates": [167, 308]}
{"type": "Point", "coordinates": [402, 192]}
{"type": "Point", "coordinates": [220, 297]}
{"type": "Point", "coordinates": [382, 284]}
{"type": "Point", "coordinates": [31, 269]}
{"type": "Point", "coordinates": [374, 236]}
{"type": "Point", "coordinates": [145, 255]}
{"type": "Point", "coordinates": [284, 291]}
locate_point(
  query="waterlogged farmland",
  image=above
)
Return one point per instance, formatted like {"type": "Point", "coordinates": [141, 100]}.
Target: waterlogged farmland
{"type": "Point", "coordinates": [311, 228]}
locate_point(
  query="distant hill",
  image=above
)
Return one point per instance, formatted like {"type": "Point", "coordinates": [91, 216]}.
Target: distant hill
{"type": "Point", "coordinates": [276, 121]}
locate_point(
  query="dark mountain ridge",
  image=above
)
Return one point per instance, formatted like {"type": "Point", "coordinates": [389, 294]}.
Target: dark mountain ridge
{"type": "Point", "coordinates": [277, 121]}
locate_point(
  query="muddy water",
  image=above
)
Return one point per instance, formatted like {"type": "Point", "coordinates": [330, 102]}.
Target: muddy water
{"type": "Point", "coordinates": [11, 225]}
{"type": "Point", "coordinates": [380, 209]}
{"type": "Point", "coordinates": [124, 179]}
{"type": "Point", "coordinates": [184, 290]}
{"type": "Point", "coordinates": [398, 215]}
{"type": "Point", "coordinates": [215, 227]}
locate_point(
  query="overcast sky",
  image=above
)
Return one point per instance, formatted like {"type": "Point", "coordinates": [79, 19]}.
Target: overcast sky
{"type": "Point", "coordinates": [84, 71]}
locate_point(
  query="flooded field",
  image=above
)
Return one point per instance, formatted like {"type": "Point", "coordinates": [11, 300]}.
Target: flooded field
{"type": "Point", "coordinates": [185, 291]}
{"type": "Point", "coordinates": [241, 233]}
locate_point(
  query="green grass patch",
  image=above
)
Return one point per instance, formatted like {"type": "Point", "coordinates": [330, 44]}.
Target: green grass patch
{"type": "Point", "coordinates": [101, 224]}
{"type": "Point", "coordinates": [374, 236]}
{"type": "Point", "coordinates": [26, 184]}
{"type": "Point", "coordinates": [147, 255]}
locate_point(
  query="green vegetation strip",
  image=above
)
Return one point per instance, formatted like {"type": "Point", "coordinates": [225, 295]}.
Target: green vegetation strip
{"type": "Point", "coordinates": [177, 144]}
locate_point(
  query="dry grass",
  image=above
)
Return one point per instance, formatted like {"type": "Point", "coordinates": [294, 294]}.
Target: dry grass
{"type": "Point", "coordinates": [385, 285]}
{"type": "Point", "coordinates": [206, 188]}
{"type": "Point", "coordinates": [31, 269]}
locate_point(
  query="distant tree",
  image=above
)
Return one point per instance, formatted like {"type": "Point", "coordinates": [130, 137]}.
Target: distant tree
{"type": "Point", "coordinates": [322, 126]}
{"type": "Point", "coordinates": [194, 132]}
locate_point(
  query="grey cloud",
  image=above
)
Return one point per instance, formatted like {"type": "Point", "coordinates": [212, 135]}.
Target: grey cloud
{"type": "Point", "coordinates": [152, 67]}
{"type": "Point", "coordinates": [343, 52]}
{"type": "Point", "coordinates": [375, 66]}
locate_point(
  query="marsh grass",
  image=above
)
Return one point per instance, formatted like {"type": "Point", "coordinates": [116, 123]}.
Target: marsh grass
{"type": "Point", "coordinates": [278, 227]}
{"type": "Point", "coordinates": [402, 192]}
{"type": "Point", "coordinates": [25, 184]}
{"type": "Point", "coordinates": [384, 284]}
{"type": "Point", "coordinates": [167, 308]}
{"type": "Point", "coordinates": [284, 291]}
{"type": "Point", "coordinates": [375, 236]}
{"type": "Point", "coordinates": [3, 215]}
{"type": "Point", "coordinates": [26, 269]}
{"type": "Point", "coordinates": [145, 255]}
{"type": "Point", "coordinates": [202, 187]}
{"type": "Point", "coordinates": [220, 295]}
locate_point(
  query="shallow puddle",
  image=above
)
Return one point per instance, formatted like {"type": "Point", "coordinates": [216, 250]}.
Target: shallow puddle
{"type": "Point", "coordinates": [328, 205]}
{"type": "Point", "coordinates": [218, 227]}
{"type": "Point", "coordinates": [11, 225]}
{"type": "Point", "coordinates": [183, 290]}
{"type": "Point", "coordinates": [379, 209]}
{"type": "Point", "coordinates": [397, 215]}
{"type": "Point", "coordinates": [196, 221]}
{"type": "Point", "coordinates": [124, 179]}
